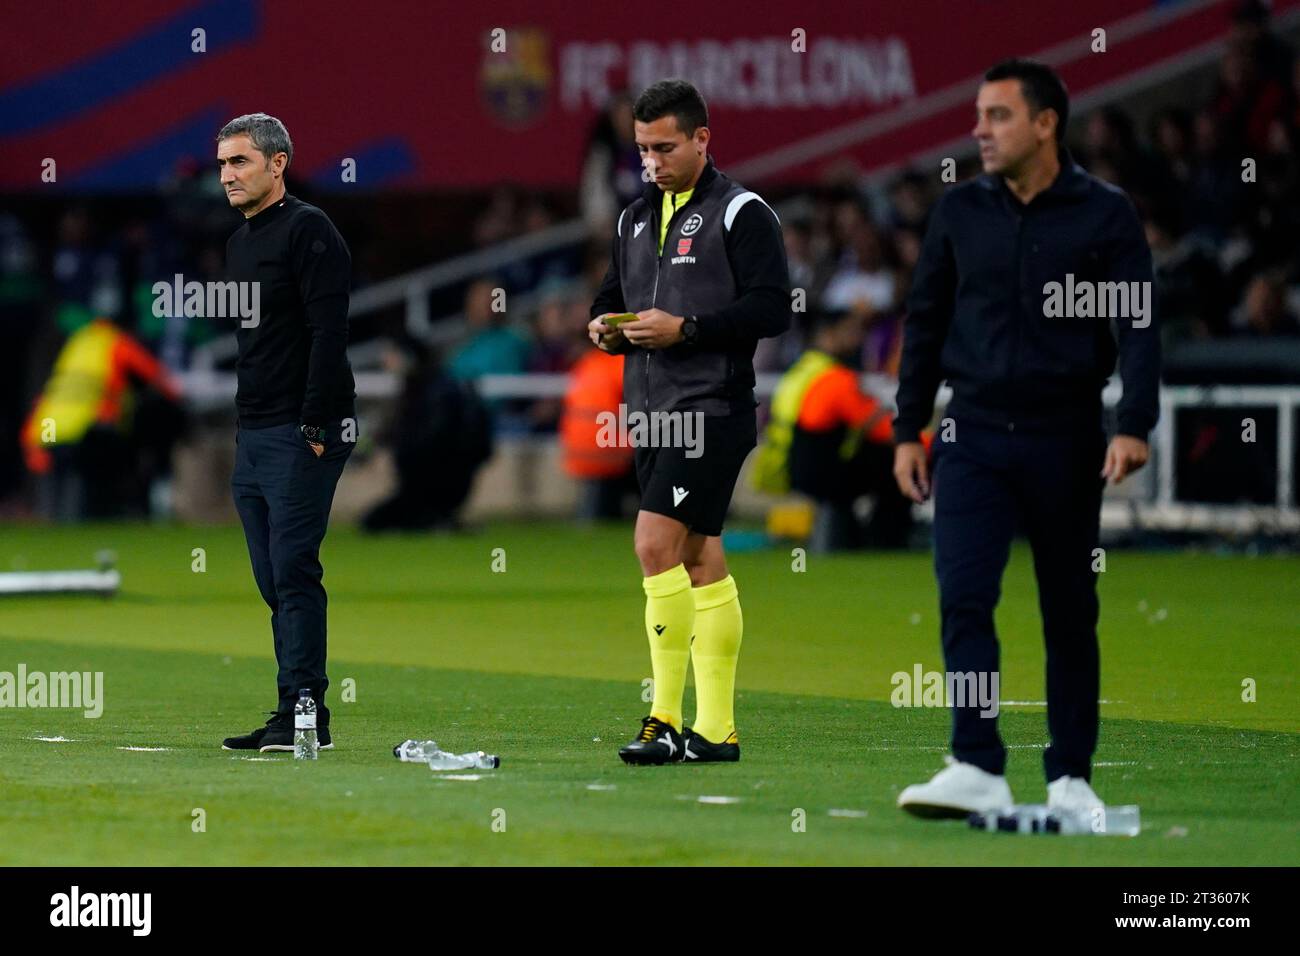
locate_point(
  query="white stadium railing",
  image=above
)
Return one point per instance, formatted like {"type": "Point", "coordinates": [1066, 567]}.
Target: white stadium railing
{"type": "Point", "coordinates": [1146, 502]}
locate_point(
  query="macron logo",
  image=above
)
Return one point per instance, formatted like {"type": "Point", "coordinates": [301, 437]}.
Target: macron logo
{"type": "Point", "coordinates": [636, 230]}
{"type": "Point", "coordinates": [678, 495]}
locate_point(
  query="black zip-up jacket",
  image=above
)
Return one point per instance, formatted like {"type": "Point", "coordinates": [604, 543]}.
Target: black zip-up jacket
{"type": "Point", "coordinates": [976, 312]}
{"type": "Point", "coordinates": [724, 263]}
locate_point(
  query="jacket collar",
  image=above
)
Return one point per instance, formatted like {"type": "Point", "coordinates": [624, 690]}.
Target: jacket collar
{"type": "Point", "coordinates": [1070, 183]}
{"type": "Point", "coordinates": [653, 195]}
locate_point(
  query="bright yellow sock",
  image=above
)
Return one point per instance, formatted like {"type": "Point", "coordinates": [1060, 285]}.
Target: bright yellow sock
{"type": "Point", "coordinates": [718, 628]}
{"type": "Point", "coordinates": [669, 623]}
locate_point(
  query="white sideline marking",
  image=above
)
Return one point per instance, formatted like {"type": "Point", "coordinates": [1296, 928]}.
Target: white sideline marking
{"type": "Point", "coordinates": [460, 776]}
{"type": "Point", "coordinates": [54, 740]}
{"type": "Point", "coordinates": [149, 750]}
{"type": "Point", "coordinates": [1042, 703]}
{"type": "Point", "coordinates": [846, 813]}
{"type": "Point", "coordinates": [709, 799]}
{"type": "Point", "coordinates": [602, 786]}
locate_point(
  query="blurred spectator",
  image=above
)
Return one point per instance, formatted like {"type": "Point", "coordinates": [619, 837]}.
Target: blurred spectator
{"type": "Point", "coordinates": [560, 339]}
{"type": "Point", "coordinates": [497, 221]}
{"type": "Point", "coordinates": [604, 470]}
{"type": "Point", "coordinates": [1264, 309]}
{"type": "Point", "coordinates": [79, 436]}
{"type": "Point", "coordinates": [832, 441]}
{"type": "Point", "coordinates": [1249, 101]}
{"type": "Point", "coordinates": [611, 171]}
{"type": "Point", "coordinates": [1189, 288]}
{"type": "Point", "coordinates": [87, 279]}
{"type": "Point", "coordinates": [862, 279]}
{"type": "Point", "coordinates": [1251, 33]}
{"type": "Point", "coordinates": [21, 300]}
{"type": "Point", "coordinates": [491, 346]}
{"type": "Point", "coordinates": [440, 434]}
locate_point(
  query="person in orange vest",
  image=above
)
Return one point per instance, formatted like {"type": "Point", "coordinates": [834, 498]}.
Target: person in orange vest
{"type": "Point", "coordinates": [77, 434]}
{"type": "Point", "coordinates": [841, 444]}
{"type": "Point", "coordinates": [595, 387]}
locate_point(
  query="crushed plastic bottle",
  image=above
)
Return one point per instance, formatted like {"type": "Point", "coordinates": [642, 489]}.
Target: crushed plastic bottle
{"type": "Point", "coordinates": [428, 752]}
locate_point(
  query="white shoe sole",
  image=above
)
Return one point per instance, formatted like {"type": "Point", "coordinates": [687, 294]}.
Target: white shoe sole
{"type": "Point", "coordinates": [937, 806]}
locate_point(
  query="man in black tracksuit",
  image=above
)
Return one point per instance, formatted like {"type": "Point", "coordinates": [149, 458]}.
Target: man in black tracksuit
{"type": "Point", "coordinates": [1023, 436]}
{"type": "Point", "coordinates": [297, 418]}
{"type": "Point", "coordinates": [700, 260]}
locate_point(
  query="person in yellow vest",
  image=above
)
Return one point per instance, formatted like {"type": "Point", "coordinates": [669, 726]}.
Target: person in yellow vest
{"type": "Point", "coordinates": [832, 441]}
{"type": "Point", "coordinates": [77, 432]}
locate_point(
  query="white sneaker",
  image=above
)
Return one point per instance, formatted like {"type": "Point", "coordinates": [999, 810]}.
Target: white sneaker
{"type": "Point", "coordinates": [1072, 795]}
{"type": "Point", "coordinates": [958, 789]}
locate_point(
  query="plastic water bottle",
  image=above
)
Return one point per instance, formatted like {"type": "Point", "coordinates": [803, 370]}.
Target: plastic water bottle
{"type": "Point", "coordinates": [1021, 818]}
{"type": "Point", "coordinates": [1038, 818]}
{"type": "Point", "coordinates": [428, 751]}
{"type": "Point", "coordinates": [304, 727]}
{"type": "Point", "coordinates": [1115, 821]}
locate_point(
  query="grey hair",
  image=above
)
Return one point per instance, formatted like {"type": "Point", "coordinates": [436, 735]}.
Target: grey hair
{"type": "Point", "coordinates": [267, 133]}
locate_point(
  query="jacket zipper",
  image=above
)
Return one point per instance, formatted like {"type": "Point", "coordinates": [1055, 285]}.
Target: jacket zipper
{"type": "Point", "coordinates": [659, 263]}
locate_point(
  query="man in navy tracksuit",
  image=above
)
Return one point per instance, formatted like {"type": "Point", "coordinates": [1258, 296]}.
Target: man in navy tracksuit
{"type": "Point", "coordinates": [1033, 279]}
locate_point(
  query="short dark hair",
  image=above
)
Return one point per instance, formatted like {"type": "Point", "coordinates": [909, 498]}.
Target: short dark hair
{"type": "Point", "coordinates": [672, 98]}
{"type": "Point", "coordinates": [1040, 86]}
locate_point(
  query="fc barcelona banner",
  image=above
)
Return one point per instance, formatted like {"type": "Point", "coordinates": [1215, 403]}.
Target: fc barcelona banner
{"type": "Point", "coordinates": [427, 95]}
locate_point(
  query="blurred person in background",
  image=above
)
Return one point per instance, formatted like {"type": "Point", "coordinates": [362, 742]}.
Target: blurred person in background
{"type": "Point", "coordinates": [440, 435]}
{"type": "Point", "coordinates": [1189, 292]}
{"type": "Point", "coordinates": [1263, 310]}
{"type": "Point", "coordinates": [22, 291]}
{"type": "Point", "coordinates": [79, 435]}
{"type": "Point", "coordinates": [832, 441]}
{"type": "Point", "coordinates": [603, 470]}
{"type": "Point", "coordinates": [863, 277]}
{"type": "Point", "coordinates": [559, 340]}
{"type": "Point", "coordinates": [611, 171]}
{"type": "Point", "coordinates": [491, 346]}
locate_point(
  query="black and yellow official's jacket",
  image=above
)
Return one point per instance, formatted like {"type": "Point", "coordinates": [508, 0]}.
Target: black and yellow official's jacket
{"type": "Point", "coordinates": [722, 262]}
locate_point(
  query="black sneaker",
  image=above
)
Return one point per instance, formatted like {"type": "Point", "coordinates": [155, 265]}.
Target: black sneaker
{"type": "Point", "coordinates": [699, 750]}
{"type": "Point", "coordinates": [657, 743]}
{"type": "Point", "coordinates": [280, 739]}
{"type": "Point", "coordinates": [254, 740]}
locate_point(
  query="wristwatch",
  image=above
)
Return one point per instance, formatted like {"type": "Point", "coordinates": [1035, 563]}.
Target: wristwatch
{"type": "Point", "coordinates": [690, 330]}
{"type": "Point", "coordinates": [313, 433]}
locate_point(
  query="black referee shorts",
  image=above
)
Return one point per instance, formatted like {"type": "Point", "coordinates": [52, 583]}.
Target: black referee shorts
{"type": "Point", "coordinates": [697, 491]}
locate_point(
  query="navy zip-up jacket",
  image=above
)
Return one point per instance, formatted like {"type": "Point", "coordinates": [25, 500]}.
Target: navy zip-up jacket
{"type": "Point", "coordinates": [977, 313]}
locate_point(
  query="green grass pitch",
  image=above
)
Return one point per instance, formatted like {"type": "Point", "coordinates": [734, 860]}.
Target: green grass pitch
{"type": "Point", "coordinates": [543, 664]}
